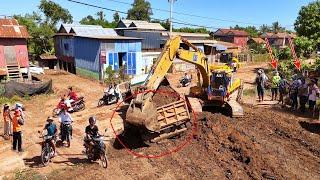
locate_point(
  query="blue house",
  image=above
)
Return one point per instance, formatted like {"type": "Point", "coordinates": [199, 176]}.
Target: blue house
{"type": "Point", "coordinates": [88, 50]}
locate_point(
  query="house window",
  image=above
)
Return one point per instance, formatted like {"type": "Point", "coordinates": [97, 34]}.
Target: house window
{"type": "Point", "coordinates": [66, 46]}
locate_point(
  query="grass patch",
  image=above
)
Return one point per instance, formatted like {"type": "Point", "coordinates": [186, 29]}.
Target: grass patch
{"type": "Point", "coordinates": [5, 100]}
{"type": "Point", "coordinates": [249, 92]}
{"type": "Point", "coordinates": [28, 175]}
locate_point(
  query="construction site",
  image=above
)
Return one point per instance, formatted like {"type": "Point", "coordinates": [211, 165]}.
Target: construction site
{"type": "Point", "coordinates": [143, 98]}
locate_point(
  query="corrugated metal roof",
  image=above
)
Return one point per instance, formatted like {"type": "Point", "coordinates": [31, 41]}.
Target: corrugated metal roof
{"type": "Point", "coordinates": [109, 37]}
{"type": "Point", "coordinates": [167, 33]}
{"type": "Point", "coordinates": [147, 25]}
{"type": "Point", "coordinates": [128, 22]}
{"type": "Point", "coordinates": [228, 32]}
{"type": "Point", "coordinates": [278, 35]}
{"type": "Point", "coordinates": [86, 30]}
{"type": "Point", "coordinates": [9, 28]}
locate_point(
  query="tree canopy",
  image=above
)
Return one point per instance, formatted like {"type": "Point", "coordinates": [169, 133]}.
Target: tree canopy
{"type": "Point", "coordinates": [54, 13]}
{"type": "Point", "coordinates": [42, 26]}
{"type": "Point", "coordinates": [141, 10]}
{"type": "Point", "coordinates": [251, 30]}
{"type": "Point", "coordinates": [99, 20]}
{"type": "Point", "coordinates": [308, 21]}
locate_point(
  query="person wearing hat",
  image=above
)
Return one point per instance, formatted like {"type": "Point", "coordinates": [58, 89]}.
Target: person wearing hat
{"type": "Point", "coordinates": [51, 129]}
{"type": "Point", "coordinates": [7, 121]}
{"type": "Point", "coordinates": [17, 122]}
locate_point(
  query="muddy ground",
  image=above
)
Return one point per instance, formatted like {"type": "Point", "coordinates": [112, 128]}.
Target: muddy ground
{"type": "Point", "coordinates": [267, 143]}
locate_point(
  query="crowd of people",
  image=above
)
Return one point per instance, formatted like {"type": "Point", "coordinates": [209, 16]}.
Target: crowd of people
{"type": "Point", "coordinates": [301, 91]}
{"type": "Point", "coordinates": [14, 119]}
{"type": "Point", "coordinates": [13, 125]}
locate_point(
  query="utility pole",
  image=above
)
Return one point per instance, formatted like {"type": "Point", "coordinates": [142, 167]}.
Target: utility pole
{"type": "Point", "coordinates": [171, 7]}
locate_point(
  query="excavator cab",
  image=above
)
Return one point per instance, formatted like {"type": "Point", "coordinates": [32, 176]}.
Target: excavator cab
{"type": "Point", "coordinates": [218, 88]}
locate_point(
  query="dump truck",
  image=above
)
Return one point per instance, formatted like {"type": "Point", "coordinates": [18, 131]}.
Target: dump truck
{"type": "Point", "coordinates": [216, 86]}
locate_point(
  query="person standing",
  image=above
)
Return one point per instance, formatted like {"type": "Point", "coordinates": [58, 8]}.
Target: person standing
{"type": "Point", "coordinates": [260, 82]}
{"type": "Point", "coordinates": [7, 121]}
{"type": "Point", "coordinates": [65, 125]}
{"type": "Point", "coordinates": [313, 94]}
{"type": "Point", "coordinates": [303, 95]}
{"type": "Point", "coordinates": [17, 122]}
{"type": "Point", "coordinates": [283, 88]}
{"type": "Point", "coordinates": [275, 86]}
{"type": "Point", "coordinates": [293, 92]}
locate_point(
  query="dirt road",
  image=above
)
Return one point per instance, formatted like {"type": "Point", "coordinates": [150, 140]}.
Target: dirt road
{"type": "Point", "coordinates": [267, 143]}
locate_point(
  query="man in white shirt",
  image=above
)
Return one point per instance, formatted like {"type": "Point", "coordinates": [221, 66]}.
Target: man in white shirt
{"type": "Point", "coordinates": [65, 119]}
{"type": "Point", "coordinates": [313, 94]}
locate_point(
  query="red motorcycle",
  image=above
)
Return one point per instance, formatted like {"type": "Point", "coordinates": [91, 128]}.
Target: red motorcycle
{"type": "Point", "coordinates": [76, 106]}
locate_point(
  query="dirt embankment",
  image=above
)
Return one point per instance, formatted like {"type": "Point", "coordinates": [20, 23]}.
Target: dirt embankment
{"type": "Point", "coordinates": [253, 147]}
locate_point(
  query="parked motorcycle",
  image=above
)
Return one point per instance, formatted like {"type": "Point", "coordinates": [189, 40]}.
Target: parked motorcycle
{"type": "Point", "coordinates": [76, 106]}
{"type": "Point", "coordinates": [47, 152]}
{"type": "Point", "coordinates": [66, 133]}
{"type": "Point", "coordinates": [97, 150]}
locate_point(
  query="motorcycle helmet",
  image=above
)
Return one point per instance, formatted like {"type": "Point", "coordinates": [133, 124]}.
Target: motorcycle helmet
{"type": "Point", "coordinates": [92, 120]}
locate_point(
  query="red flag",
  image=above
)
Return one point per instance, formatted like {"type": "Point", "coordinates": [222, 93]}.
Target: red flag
{"type": "Point", "coordinates": [274, 64]}
{"type": "Point", "coordinates": [297, 63]}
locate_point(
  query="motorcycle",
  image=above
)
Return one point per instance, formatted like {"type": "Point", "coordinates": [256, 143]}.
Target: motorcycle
{"type": "Point", "coordinates": [98, 150]}
{"type": "Point", "coordinates": [47, 152]}
{"type": "Point", "coordinates": [108, 99]}
{"type": "Point", "coordinates": [75, 106]}
{"type": "Point", "coordinates": [66, 133]}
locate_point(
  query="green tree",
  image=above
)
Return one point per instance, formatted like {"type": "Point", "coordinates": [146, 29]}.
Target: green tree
{"type": "Point", "coordinates": [141, 10]}
{"type": "Point", "coordinates": [251, 30]}
{"type": "Point", "coordinates": [308, 22]}
{"type": "Point", "coordinates": [90, 20]}
{"type": "Point", "coordinates": [54, 13]}
{"type": "Point", "coordinates": [41, 33]}
{"type": "Point", "coordinates": [276, 27]}
{"type": "Point", "coordinates": [100, 15]}
{"type": "Point", "coordinates": [264, 29]}
{"type": "Point", "coordinates": [304, 46]}
{"type": "Point", "coordinates": [165, 24]}
{"type": "Point", "coordinates": [192, 30]}
{"type": "Point", "coordinates": [116, 17]}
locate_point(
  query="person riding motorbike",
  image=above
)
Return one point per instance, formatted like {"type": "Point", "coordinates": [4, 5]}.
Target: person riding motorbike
{"type": "Point", "coordinates": [65, 120]}
{"type": "Point", "coordinates": [71, 97]}
{"type": "Point", "coordinates": [51, 129]}
{"type": "Point", "coordinates": [91, 131]}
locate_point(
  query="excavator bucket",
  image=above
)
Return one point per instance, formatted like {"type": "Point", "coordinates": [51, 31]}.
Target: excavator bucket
{"type": "Point", "coordinates": [233, 102]}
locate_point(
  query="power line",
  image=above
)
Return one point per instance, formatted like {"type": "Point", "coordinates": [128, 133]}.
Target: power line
{"type": "Point", "coordinates": [161, 20]}
{"type": "Point", "coordinates": [193, 15]}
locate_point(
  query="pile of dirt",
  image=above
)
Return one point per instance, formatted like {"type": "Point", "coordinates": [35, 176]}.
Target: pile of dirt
{"type": "Point", "coordinates": [165, 95]}
{"type": "Point", "coordinates": [253, 147]}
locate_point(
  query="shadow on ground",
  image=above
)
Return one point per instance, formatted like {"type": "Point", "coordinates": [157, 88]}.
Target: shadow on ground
{"type": "Point", "coordinates": [311, 127]}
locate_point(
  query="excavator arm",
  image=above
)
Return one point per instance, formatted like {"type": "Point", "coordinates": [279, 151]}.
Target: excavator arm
{"type": "Point", "coordinates": [165, 60]}
{"type": "Point", "coordinates": [141, 110]}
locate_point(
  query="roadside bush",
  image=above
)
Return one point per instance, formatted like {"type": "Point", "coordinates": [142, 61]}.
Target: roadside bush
{"type": "Point", "coordinates": [5, 100]}
{"type": "Point", "coordinates": [113, 76]}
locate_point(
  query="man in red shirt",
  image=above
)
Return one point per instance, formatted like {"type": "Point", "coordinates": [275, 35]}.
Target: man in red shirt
{"type": "Point", "coordinates": [72, 98]}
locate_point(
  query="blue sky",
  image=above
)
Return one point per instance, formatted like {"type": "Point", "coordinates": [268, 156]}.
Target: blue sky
{"type": "Point", "coordinates": [219, 13]}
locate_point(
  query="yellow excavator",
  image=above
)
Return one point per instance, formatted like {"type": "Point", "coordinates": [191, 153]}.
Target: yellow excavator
{"type": "Point", "coordinates": [216, 86]}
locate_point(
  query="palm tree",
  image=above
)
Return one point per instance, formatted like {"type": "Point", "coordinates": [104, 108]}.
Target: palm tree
{"type": "Point", "coordinates": [276, 28]}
